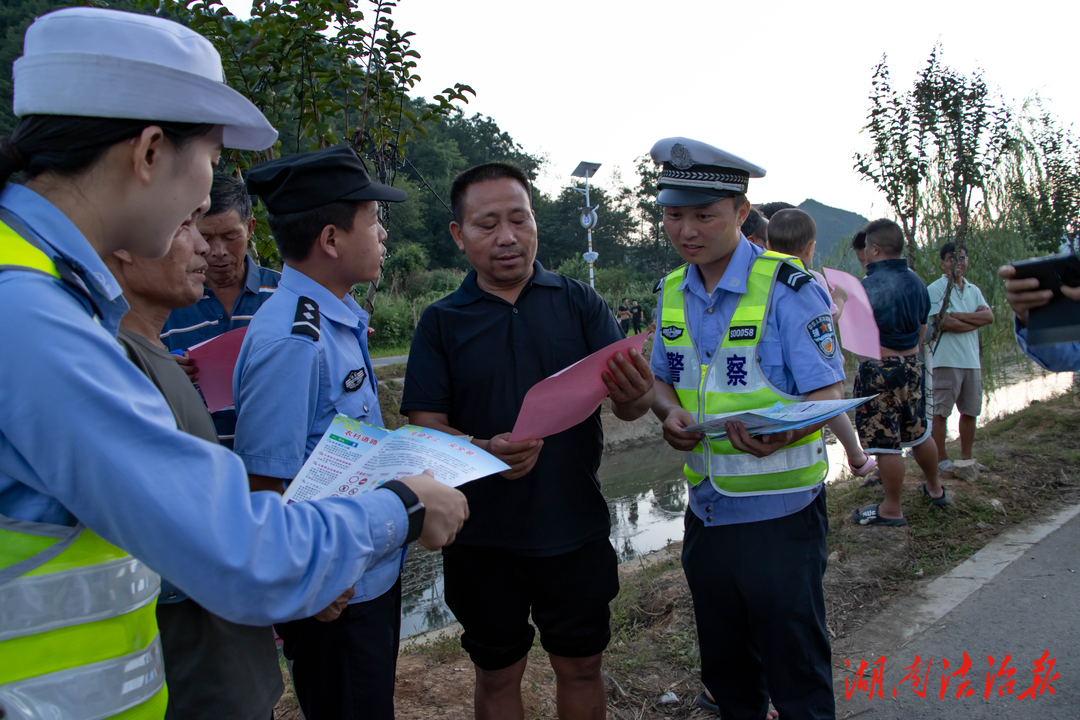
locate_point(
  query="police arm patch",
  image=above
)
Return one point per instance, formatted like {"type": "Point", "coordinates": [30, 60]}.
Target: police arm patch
{"type": "Point", "coordinates": [792, 276]}
{"type": "Point", "coordinates": [822, 332]}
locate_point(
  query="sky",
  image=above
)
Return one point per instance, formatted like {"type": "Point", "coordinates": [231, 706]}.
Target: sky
{"type": "Point", "coordinates": [782, 84]}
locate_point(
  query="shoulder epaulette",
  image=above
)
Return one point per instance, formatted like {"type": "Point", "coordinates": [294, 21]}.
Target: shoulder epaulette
{"type": "Point", "coordinates": [659, 285]}
{"type": "Point", "coordinates": [792, 276]}
{"type": "Point", "coordinates": [306, 321]}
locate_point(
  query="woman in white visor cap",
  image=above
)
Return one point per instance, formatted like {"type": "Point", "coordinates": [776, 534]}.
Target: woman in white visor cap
{"type": "Point", "coordinates": [122, 118]}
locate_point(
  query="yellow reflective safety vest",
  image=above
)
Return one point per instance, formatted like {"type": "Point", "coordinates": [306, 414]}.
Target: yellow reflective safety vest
{"type": "Point", "coordinates": [733, 382]}
{"type": "Point", "coordinates": [78, 630]}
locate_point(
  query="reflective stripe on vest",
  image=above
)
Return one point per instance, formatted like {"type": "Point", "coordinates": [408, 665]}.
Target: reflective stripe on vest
{"type": "Point", "coordinates": [731, 382]}
{"type": "Point", "coordinates": [78, 630]}
{"type": "Point", "coordinates": [16, 253]}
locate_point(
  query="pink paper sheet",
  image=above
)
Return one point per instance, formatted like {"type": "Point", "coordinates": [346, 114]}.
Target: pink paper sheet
{"type": "Point", "coordinates": [569, 396]}
{"type": "Point", "coordinates": [858, 329]}
{"type": "Point", "coordinates": [215, 360]}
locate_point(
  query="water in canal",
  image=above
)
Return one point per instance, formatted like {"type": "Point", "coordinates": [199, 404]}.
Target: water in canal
{"type": "Point", "coordinates": [646, 496]}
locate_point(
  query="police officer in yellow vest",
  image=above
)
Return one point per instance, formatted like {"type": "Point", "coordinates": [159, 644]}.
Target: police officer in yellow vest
{"type": "Point", "coordinates": [122, 117]}
{"type": "Point", "coordinates": [741, 328]}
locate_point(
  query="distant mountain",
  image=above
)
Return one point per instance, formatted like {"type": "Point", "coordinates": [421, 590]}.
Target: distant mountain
{"type": "Point", "coordinates": [833, 226]}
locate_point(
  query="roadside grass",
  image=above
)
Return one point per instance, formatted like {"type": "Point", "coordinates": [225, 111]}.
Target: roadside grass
{"type": "Point", "coordinates": [653, 649]}
{"type": "Point", "coordinates": [388, 351]}
{"type": "Point", "coordinates": [390, 372]}
{"type": "Point", "coordinates": [287, 707]}
{"type": "Point", "coordinates": [440, 646]}
{"type": "Point", "coordinates": [1031, 456]}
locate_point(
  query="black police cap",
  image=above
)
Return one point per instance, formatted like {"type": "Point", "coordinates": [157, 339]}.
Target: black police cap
{"type": "Point", "coordinates": [309, 180]}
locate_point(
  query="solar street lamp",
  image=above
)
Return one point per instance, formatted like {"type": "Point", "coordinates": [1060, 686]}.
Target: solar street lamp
{"type": "Point", "coordinates": [588, 214]}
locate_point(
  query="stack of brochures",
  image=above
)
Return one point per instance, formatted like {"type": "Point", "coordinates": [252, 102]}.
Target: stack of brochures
{"type": "Point", "coordinates": [778, 418]}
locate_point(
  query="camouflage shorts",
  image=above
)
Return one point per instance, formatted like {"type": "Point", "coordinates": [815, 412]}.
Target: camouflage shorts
{"type": "Point", "coordinates": [896, 418]}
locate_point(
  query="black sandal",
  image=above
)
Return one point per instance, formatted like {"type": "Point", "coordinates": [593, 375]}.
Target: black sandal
{"type": "Point", "coordinates": [869, 516]}
{"type": "Point", "coordinates": [939, 501]}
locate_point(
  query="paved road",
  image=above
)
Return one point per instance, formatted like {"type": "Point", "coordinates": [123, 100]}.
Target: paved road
{"type": "Point", "coordinates": [1031, 606]}
{"type": "Point", "coordinates": [378, 362]}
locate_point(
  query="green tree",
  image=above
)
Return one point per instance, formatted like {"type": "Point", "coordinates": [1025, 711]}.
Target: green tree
{"type": "Point", "coordinates": [970, 129]}
{"type": "Point", "coordinates": [898, 161]}
{"type": "Point", "coordinates": [649, 249]}
{"type": "Point", "coordinates": [1045, 181]}
{"type": "Point", "coordinates": [316, 71]}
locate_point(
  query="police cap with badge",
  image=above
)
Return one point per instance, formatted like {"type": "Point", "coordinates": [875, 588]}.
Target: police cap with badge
{"type": "Point", "coordinates": [696, 173]}
{"type": "Point", "coordinates": [309, 180]}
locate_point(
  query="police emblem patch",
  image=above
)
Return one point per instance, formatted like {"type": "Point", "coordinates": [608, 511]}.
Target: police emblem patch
{"type": "Point", "coordinates": [823, 334]}
{"type": "Point", "coordinates": [671, 332]}
{"type": "Point", "coordinates": [355, 380]}
{"type": "Point", "coordinates": [680, 157]}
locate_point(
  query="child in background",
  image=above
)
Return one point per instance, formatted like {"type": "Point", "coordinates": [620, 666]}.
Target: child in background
{"type": "Point", "coordinates": [793, 232]}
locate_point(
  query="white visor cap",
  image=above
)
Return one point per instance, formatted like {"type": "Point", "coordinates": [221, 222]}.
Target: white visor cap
{"type": "Point", "coordinates": [92, 62]}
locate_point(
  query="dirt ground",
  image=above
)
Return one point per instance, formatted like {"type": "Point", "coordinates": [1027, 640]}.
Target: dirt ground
{"type": "Point", "coordinates": [1034, 467]}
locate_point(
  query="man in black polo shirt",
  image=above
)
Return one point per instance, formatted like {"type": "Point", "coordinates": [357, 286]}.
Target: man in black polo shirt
{"type": "Point", "coordinates": [537, 538]}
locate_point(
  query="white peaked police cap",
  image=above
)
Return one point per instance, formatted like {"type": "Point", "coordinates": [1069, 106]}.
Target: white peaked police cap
{"type": "Point", "coordinates": [92, 62]}
{"type": "Point", "coordinates": [696, 173]}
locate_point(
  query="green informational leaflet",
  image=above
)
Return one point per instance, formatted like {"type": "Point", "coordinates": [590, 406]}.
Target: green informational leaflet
{"type": "Point", "coordinates": [353, 458]}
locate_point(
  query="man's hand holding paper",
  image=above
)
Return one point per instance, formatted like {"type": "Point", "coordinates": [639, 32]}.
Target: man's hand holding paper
{"type": "Point", "coordinates": [675, 433]}
{"type": "Point", "coordinates": [629, 381]}
{"type": "Point", "coordinates": [520, 455]}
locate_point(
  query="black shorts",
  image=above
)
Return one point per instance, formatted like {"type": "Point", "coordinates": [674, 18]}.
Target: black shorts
{"type": "Point", "coordinates": [492, 591]}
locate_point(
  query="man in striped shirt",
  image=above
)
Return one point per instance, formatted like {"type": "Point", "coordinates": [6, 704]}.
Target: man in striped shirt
{"type": "Point", "coordinates": [235, 286]}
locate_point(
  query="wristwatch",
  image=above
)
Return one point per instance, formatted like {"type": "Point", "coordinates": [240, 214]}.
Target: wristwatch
{"type": "Point", "coordinates": [413, 508]}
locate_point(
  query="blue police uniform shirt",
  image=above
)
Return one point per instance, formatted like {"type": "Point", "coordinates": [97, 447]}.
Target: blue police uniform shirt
{"type": "Point", "coordinates": [85, 436]}
{"type": "Point", "coordinates": [206, 320]}
{"type": "Point", "coordinates": [288, 387]}
{"type": "Point", "coordinates": [787, 354]}
{"type": "Point", "coordinates": [1055, 357]}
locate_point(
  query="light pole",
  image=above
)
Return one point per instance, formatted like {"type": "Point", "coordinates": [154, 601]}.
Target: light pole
{"type": "Point", "coordinates": [588, 214]}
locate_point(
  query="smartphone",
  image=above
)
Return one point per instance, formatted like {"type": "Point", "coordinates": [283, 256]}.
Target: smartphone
{"type": "Point", "coordinates": [1059, 320]}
